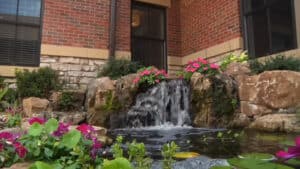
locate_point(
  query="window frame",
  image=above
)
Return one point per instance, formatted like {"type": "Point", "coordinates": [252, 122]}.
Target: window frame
{"type": "Point", "coordinates": [249, 41]}
{"type": "Point", "coordinates": [16, 23]}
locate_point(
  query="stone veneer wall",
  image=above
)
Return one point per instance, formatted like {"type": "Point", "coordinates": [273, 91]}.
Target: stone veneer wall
{"type": "Point", "coordinates": [74, 72]}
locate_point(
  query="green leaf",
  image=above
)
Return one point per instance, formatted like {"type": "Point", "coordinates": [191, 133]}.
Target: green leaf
{"type": "Point", "coordinates": [35, 130]}
{"type": "Point", "coordinates": [294, 162]}
{"type": "Point", "coordinates": [42, 165]}
{"type": "Point", "coordinates": [51, 125]}
{"type": "Point", "coordinates": [221, 167]}
{"type": "Point", "coordinates": [118, 163]}
{"type": "Point", "coordinates": [255, 164]}
{"type": "Point", "coordinates": [258, 156]}
{"type": "Point", "coordinates": [71, 139]}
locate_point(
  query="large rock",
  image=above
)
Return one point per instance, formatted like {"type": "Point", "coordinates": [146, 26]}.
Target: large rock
{"type": "Point", "coordinates": [106, 98]}
{"type": "Point", "coordinates": [34, 105]}
{"type": "Point", "coordinates": [270, 92]}
{"type": "Point", "coordinates": [237, 70]}
{"type": "Point", "coordinates": [24, 165]}
{"type": "Point", "coordinates": [214, 100]}
{"type": "Point", "coordinates": [277, 123]}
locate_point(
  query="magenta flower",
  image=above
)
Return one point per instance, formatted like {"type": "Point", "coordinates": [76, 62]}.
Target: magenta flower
{"type": "Point", "coordinates": [36, 120]}
{"type": "Point", "coordinates": [61, 130]}
{"type": "Point", "coordinates": [196, 65]}
{"type": "Point", "coordinates": [7, 136]}
{"type": "Point", "coordinates": [214, 66]}
{"type": "Point", "coordinates": [86, 130]}
{"type": "Point", "coordinates": [95, 148]}
{"type": "Point", "coordinates": [293, 151]}
{"type": "Point", "coordinates": [20, 149]}
{"type": "Point", "coordinates": [203, 61]}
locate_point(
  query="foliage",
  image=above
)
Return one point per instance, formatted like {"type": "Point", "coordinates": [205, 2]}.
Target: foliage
{"type": "Point", "coordinates": [168, 152]}
{"type": "Point", "coordinates": [14, 117]}
{"type": "Point", "coordinates": [199, 65]}
{"type": "Point", "coordinates": [53, 141]}
{"type": "Point", "coordinates": [275, 63]}
{"type": "Point", "coordinates": [249, 163]}
{"type": "Point", "coordinates": [149, 76]}
{"type": "Point", "coordinates": [137, 155]}
{"type": "Point", "coordinates": [11, 150]}
{"type": "Point", "coordinates": [117, 68]}
{"type": "Point", "coordinates": [232, 58]}
{"type": "Point", "coordinates": [117, 148]}
{"type": "Point", "coordinates": [38, 83]}
{"type": "Point", "coordinates": [111, 103]}
{"type": "Point", "coordinates": [118, 163]}
{"type": "Point", "coordinates": [67, 102]}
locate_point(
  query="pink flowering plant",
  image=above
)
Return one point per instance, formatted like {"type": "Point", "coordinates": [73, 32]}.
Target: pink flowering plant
{"type": "Point", "coordinates": [149, 76]}
{"type": "Point", "coordinates": [11, 150]}
{"type": "Point", "coordinates": [49, 140]}
{"type": "Point", "coordinates": [199, 65]}
{"type": "Point", "coordinates": [293, 151]}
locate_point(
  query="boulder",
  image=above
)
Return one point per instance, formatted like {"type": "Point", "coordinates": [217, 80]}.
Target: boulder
{"type": "Point", "coordinates": [73, 118]}
{"type": "Point", "coordinates": [270, 92]}
{"type": "Point", "coordinates": [24, 165]}
{"type": "Point", "coordinates": [106, 97]}
{"type": "Point", "coordinates": [277, 123]}
{"type": "Point", "coordinates": [34, 105]}
{"type": "Point", "coordinates": [236, 70]}
{"type": "Point", "coordinates": [214, 100]}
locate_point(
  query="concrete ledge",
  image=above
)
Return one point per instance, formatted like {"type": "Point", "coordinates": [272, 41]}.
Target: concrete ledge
{"type": "Point", "coordinates": [166, 3]}
{"type": "Point", "coordinates": [56, 50]}
{"type": "Point", "coordinates": [9, 71]}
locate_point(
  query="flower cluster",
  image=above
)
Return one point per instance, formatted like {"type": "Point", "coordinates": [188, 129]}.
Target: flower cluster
{"type": "Point", "coordinates": [199, 65]}
{"type": "Point", "coordinates": [89, 133]}
{"type": "Point", "coordinates": [36, 120]}
{"type": "Point", "coordinates": [150, 76]}
{"type": "Point", "coordinates": [8, 139]}
{"type": "Point", "coordinates": [61, 130]}
{"type": "Point", "coordinates": [292, 152]}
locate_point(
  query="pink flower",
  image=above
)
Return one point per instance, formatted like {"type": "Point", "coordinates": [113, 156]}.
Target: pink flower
{"type": "Point", "coordinates": [86, 130]}
{"type": "Point", "coordinates": [196, 65]}
{"type": "Point", "coordinates": [36, 120]}
{"type": "Point", "coordinates": [62, 129]}
{"type": "Point", "coordinates": [201, 60]}
{"type": "Point", "coordinates": [214, 66]}
{"type": "Point", "coordinates": [206, 68]}
{"type": "Point", "coordinates": [146, 72]}
{"type": "Point", "coordinates": [136, 80]}
{"type": "Point", "coordinates": [95, 148]}
{"type": "Point", "coordinates": [20, 149]}
{"type": "Point", "coordinates": [157, 80]}
{"type": "Point", "coordinates": [6, 136]}
{"type": "Point", "coordinates": [293, 151]}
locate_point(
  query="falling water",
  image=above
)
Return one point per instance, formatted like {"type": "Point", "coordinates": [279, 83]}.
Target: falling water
{"type": "Point", "coordinates": [165, 103]}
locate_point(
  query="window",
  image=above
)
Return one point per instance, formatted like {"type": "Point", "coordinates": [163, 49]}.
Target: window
{"type": "Point", "coordinates": [269, 26]}
{"type": "Point", "coordinates": [20, 23]}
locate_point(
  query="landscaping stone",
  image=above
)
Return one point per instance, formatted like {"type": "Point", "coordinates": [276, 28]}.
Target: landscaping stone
{"type": "Point", "coordinates": [236, 70]}
{"type": "Point", "coordinates": [74, 117]}
{"type": "Point", "coordinates": [270, 92]}
{"type": "Point", "coordinates": [24, 165]}
{"type": "Point", "coordinates": [34, 105]}
{"type": "Point", "coordinates": [214, 100]}
{"type": "Point", "coordinates": [277, 123]}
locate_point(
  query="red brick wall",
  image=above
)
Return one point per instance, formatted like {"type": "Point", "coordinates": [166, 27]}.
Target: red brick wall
{"type": "Point", "coordinates": [76, 23]}
{"type": "Point", "coordinates": [173, 29]}
{"type": "Point", "coordinates": [205, 23]}
{"type": "Point", "coordinates": [123, 25]}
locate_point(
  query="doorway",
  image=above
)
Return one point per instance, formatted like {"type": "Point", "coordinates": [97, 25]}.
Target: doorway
{"type": "Point", "coordinates": [148, 35]}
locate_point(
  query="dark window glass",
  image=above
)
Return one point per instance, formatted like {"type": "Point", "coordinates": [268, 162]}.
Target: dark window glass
{"type": "Point", "coordinates": [20, 32]}
{"type": "Point", "coordinates": [269, 26]}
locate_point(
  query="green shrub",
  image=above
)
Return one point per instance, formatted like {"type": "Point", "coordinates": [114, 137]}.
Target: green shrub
{"type": "Point", "coordinates": [37, 83]}
{"type": "Point", "coordinates": [67, 101]}
{"type": "Point", "coordinates": [275, 63]}
{"type": "Point", "coordinates": [117, 68]}
{"type": "Point", "coordinates": [232, 58]}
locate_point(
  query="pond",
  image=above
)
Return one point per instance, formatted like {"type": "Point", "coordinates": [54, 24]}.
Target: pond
{"type": "Point", "coordinates": [213, 143]}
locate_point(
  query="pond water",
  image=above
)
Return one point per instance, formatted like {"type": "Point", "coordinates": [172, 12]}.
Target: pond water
{"type": "Point", "coordinates": [214, 143]}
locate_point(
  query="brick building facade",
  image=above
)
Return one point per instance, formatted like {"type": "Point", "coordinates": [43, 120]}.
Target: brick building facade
{"type": "Point", "coordinates": [75, 35]}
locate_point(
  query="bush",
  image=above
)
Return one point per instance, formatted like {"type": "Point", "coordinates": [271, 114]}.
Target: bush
{"type": "Point", "coordinates": [117, 68]}
{"type": "Point", "coordinates": [67, 101]}
{"type": "Point", "coordinates": [232, 58]}
{"type": "Point", "coordinates": [37, 83]}
{"type": "Point", "coordinates": [275, 63]}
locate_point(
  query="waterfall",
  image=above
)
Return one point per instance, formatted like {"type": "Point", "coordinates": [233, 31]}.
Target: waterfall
{"type": "Point", "coordinates": [165, 103]}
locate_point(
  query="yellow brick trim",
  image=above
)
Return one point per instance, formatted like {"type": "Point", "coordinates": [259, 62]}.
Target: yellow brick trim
{"type": "Point", "coordinates": [175, 61]}
{"type": "Point", "coordinates": [225, 47]}
{"type": "Point", "coordinates": [9, 71]}
{"type": "Point", "coordinates": [166, 3]}
{"type": "Point", "coordinates": [56, 50]}
{"type": "Point", "coordinates": [123, 55]}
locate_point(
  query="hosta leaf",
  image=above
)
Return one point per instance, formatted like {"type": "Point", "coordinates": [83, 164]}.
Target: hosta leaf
{"type": "Point", "coordinates": [35, 130]}
{"type": "Point", "coordinates": [42, 165]}
{"type": "Point", "coordinates": [71, 139]}
{"type": "Point", "coordinates": [51, 125]}
{"type": "Point", "coordinates": [118, 163]}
